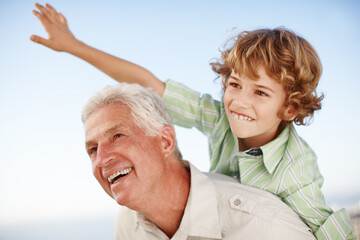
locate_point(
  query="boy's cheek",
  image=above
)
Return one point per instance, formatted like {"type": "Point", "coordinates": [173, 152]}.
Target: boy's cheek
{"type": "Point", "coordinates": [226, 99]}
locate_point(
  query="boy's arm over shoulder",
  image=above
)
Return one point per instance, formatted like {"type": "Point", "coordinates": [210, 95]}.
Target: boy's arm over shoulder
{"type": "Point", "coordinates": [61, 39]}
{"type": "Point", "coordinates": [303, 194]}
{"type": "Point", "coordinates": [326, 224]}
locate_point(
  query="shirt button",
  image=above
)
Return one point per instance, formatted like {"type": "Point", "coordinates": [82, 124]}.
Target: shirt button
{"type": "Point", "coordinates": [237, 202]}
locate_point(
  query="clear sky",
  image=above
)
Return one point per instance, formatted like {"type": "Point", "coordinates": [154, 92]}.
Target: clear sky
{"type": "Point", "coordinates": [45, 174]}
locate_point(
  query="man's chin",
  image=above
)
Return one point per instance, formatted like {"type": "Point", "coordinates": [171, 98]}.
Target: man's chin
{"type": "Point", "coordinates": [122, 200]}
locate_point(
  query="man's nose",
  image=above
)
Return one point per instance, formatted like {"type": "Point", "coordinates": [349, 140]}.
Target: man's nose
{"type": "Point", "coordinates": [104, 154]}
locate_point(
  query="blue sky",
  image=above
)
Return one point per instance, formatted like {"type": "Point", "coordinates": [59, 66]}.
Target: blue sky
{"type": "Point", "coordinates": [45, 174]}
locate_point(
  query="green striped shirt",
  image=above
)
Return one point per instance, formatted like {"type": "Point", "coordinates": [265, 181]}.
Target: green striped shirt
{"type": "Point", "coordinates": [286, 166]}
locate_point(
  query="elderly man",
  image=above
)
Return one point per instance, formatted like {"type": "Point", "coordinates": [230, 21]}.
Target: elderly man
{"type": "Point", "coordinates": [131, 143]}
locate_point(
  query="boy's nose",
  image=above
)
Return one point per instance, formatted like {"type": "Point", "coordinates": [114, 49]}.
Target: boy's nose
{"type": "Point", "coordinates": [243, 100]}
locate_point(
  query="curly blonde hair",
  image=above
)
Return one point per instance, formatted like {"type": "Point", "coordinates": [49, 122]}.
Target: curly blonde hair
{"type": "Point", "coordinates": [287, 58]}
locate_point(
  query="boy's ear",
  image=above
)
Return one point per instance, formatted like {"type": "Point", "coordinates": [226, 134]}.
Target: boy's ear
{"type": "Point", "coordinates": [168, 140]}
{"type": "Point", "coordinates": [290, 113]}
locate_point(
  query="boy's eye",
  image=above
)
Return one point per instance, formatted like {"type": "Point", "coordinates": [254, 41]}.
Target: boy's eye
{"type": "Point", "coordinates": [235, 85]}
{"type": "Point", "coordinates": [261, 93]}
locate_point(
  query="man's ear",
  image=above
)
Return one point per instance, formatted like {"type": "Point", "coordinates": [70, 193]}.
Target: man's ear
{"type": "Point", "coordinates": [168, 140]}
{"type": "Point", "coordinates": [290, 113]}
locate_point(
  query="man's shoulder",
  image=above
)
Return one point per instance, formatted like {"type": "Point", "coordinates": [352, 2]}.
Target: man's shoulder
{"type": "Point", "coordinates": [240, 197]}
{"type": "Point", "coordinates": [228, 185]}
{"type": "Point", "coordinates": [245, 205]}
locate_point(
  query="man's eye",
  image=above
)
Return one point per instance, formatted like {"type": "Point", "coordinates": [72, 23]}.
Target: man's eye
{"type": "Point", "coordinates": [117, 135]}
{"type": "Point", "coordinates": [92, 150]}
{"type": "Point", "coordinates": [260, 93]}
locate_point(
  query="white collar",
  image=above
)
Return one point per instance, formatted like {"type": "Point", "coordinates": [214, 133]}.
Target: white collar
{"type": "Point", "coordinates": [201, 216]}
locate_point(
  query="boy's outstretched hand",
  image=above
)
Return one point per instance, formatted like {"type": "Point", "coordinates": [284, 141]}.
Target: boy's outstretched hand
{"type": "Point", "coordinates": [55, 24]}
{"type": "Point", "coordinates": [61, 39]}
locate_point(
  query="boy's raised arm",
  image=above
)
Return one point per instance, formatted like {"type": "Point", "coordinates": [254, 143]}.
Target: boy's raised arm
{"type": "Point", "coordinates": [61, 39]}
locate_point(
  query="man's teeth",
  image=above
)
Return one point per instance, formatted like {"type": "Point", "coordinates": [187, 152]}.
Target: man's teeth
{"type": "Point", "coordinates": [242, 117]}
{"type": "Point", "coordinates": [119, 174]}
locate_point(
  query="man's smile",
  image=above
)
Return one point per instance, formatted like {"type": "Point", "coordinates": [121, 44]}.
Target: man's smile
{"type": "Point", "coordinates": [112, 178]}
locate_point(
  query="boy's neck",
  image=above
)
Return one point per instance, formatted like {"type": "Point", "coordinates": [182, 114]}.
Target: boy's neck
{"type": "Point", "coordinates": [259, 141]}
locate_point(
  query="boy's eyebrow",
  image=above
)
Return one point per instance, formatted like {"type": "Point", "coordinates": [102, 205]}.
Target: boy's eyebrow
{"type": "Point", "coordinates": [256, 85]}
{"type": "Point", "coordinates": [234, 77]}
{"type": "Point", "coordinates": [265, 87]}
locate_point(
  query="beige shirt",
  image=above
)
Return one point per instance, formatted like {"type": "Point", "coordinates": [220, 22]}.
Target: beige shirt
{"type": "Point", "coordinates": [219, 207]}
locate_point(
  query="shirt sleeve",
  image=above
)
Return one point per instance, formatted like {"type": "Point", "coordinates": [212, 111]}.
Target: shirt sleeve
{"type": "Point", "coordinates": [189, 109]}
{"type": "Point", "coordinates": [304, 196]}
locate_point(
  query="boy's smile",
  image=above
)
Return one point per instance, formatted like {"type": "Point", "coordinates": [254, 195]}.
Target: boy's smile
{"type": "Point", "coordinates": [241, 116]}
{"type": "Point", "coordinates": [252, 107]}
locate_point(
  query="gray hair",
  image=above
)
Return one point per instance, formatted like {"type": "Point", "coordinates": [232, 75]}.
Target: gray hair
{"type": "Point", "coordinates": [148, 111]}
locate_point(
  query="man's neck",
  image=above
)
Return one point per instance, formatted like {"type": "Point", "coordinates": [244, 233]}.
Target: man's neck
{"type": "Point", "coordinates": [167, 210]}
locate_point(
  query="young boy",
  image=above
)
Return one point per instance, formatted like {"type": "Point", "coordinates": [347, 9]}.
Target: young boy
{"type": "Point", "coordinates": [269, 80]}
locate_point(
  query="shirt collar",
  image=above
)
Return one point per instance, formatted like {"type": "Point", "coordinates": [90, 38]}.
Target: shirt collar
{"type": "Point", "coordinates": [274, 151]}
{"type": "Point", "coordinates": [271, 152]}
{"type": "Point", "coordinates": [201, 216]}
{"type": "Point", "coordinates": [254, 152]}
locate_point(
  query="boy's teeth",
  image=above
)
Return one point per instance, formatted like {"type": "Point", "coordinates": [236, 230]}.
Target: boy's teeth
{"type": "Point", "coordinates": [118, 174]}
{"type": "Point", "coordinates": [241, 117]}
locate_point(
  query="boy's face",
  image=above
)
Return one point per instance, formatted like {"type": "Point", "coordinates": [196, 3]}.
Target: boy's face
{"type": "Point", "coordinates": [252, 107]}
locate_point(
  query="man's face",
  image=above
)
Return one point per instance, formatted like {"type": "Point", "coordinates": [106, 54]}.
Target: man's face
{"type": "Point", "coordinates": [252, 107]}
{"type": "Point", "coordinates": [127, 163]}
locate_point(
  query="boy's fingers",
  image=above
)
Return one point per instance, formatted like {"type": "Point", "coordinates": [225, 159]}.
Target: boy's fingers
{"type": "Point", "coordinates": [39, 40]}
{"type": "Point", "coordinates": [52, 11]}
{"type": "Point", "coordinates": [36, 13]}
{"type": "Point", "coordinates": [45, 12]}
{"type": "Point", "coordinates": [63, 19]}
{"type": "Point", "coordinates": [43, 20]}
{"type": "Point", "coordinates": [39, 16]}
{"type": "Point", "coordinates": [51, 8]}
{"type": "Point", "coordinates": [42, 9]}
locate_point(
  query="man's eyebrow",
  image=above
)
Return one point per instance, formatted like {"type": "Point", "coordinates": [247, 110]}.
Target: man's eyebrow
{"type": "Point", "coordinates": [116, 128]}
{"type": "Point", "coordinates": [89, 143]}
{"type": "Point", "coordinates": [107, 132]}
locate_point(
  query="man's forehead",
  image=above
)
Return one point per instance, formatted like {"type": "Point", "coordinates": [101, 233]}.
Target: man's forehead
{"type": "Point", "coordinates": [111, 112]}
{"type": "Point", "coordinates": [107, 127]}
{"type": "Point", "coordinates": [108, 119]}
{"type": "Point", "coordinates": [92, 134]}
